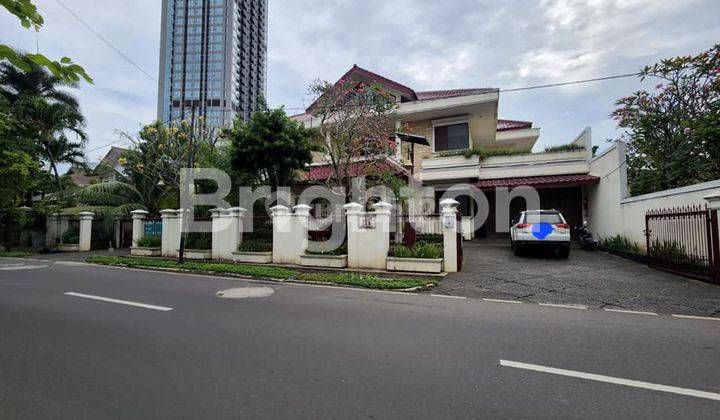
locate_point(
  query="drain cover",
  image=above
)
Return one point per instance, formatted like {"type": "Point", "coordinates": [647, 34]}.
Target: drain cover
{"type": "Point", "coordinates": [246, 292]}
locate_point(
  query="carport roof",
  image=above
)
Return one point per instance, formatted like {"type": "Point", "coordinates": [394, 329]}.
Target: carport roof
{"type": "Point", "coordinates": [539, 181]}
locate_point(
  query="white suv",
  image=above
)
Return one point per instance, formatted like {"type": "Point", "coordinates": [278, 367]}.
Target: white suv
{"type": "Point", "coordinates": [545, 228]}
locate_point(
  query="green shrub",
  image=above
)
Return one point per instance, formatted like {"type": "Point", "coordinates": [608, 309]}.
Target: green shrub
{"type": "Point", "coordinates": [420, 250]}
{"type": "Point", "coordinates": [341, 250]}
{"type": "Point", "coordinates": [674, 252]}
{"type": "Point", "coordinates": [199, 240]}
{"type": "Point", "coordinates": [483, 153]}
{"type": "Point", "coordinates": [368, 281]}
{"type": "Point", "coordinates": [255, 246]}
{"type": "Point", "coordinates": [150, 241]}
{"type": "Point", "coordinates": [71, 237]}
{"type": "Point", "coordinates": [564, 148]}
{"type": "Point", "coordinates": [15, 254]}
{"type": "Point", "coordinates": [621, 244]}
{"type": "Point", "coordinates": [434, 238]}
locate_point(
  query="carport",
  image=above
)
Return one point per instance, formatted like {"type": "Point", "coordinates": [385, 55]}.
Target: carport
{"type": "Point", "coordinates": [558, 192]}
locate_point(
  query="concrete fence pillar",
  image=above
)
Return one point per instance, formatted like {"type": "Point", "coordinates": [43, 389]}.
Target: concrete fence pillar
{"type": "Point", "coordinates": [290, 237]}
{"type": "Point", "coordinates": [368, 235]}
{"type": "Point", "coordinates": [86, 219]}
{"type": "Point", "coordinates": [171, 232]}
{"type": "Point", "coordinates": [448, 211]}
{"type": "Point", "coordinates": [226, 232]}
{"type": "Point", "coordinates": [713, 201]}
{"type": "Point", "coordinates": [138, 226]}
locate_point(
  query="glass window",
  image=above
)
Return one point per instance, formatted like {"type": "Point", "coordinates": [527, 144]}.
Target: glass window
{"type": "Point", "coordinates": [551, 217]}
{"type": "Point", "coordinates": [452, 137]}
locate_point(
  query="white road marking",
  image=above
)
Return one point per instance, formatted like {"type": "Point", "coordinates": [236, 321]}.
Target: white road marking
{"type": "Point", "coordinates": [558, 305]}
{"type": "Point", "coordinates": [502, 301]}
{"type": "Point", "coordinates": [121, 302]}
{"type": "Point", "coordinates": [612, 380]}
{"type": "Point", "coordinates": [706, 318]}
{"type": "Point", "coordinates": [12, 267]}
{"type": "Point", "coordinates": [625, 311]}
{"type": "Point", "coordinates": [448, 296]}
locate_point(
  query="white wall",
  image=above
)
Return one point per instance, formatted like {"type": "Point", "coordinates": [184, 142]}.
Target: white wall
{"type": "Point", "coordinates": [611, 212]}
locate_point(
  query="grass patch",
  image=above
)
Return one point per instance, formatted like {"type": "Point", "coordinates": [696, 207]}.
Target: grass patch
{"type": "Point", "coordinates": [620, 243]}
{"type": "Point", "coordinates": [15, 254]}
{"type": "Point", "coordinates": [420, 250]}
{"type": "Point", "coordinates": [241, 269]}
{"type": "Point", "coordinates": [367, 281]}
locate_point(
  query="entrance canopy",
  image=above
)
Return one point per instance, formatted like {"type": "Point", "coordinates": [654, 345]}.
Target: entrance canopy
{"type": "Point", "coordinates": [550, 181]}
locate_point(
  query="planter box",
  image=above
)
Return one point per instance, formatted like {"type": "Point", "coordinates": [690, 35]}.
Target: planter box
{"type": "Point", "coordinates": [68, 247]}
{"type": "Point", "coordinates": [145, 252]}
{"type": "Point", "coordinates": [418, 265]}
{"type": "Point", "coordinates": [198, 254]}
{"type": "Point", "coordinates": [327, 261]}
{"type": "Point", "coordinates": [252, 257]}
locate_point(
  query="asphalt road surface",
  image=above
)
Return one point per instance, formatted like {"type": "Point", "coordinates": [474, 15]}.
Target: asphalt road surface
{"type": "Point", "coordinates": [79, 341]}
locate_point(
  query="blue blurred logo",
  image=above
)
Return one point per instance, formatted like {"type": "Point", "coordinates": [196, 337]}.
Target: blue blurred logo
{"type": "Point", "coordinates": [542, 230]}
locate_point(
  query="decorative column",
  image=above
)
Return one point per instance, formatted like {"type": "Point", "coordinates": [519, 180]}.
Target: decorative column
{"type": "Point", "coordinates": [226, 232]}
{"type": "Point", "coordinates": [171, 231]}
{"type": "Point", "coordinates": [281, 223]}
{"type": "Point", "coordinates": [450, 230]}
{"type": "Point", "coordinates": [138, 226]}
{"type": "Point", "coordinates": [368, 235]}
{"type": "Point", "coordinates": [86, 218]}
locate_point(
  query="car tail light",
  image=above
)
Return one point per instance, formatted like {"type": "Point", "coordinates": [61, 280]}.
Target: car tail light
{"type": "Point", "coordinates": [563, 226]}
{"type": "Point", "coordinates": [523, 225]}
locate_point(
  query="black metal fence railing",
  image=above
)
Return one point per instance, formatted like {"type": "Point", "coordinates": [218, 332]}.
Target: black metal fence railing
{"type": "Point", "coordinates": [684, 241]}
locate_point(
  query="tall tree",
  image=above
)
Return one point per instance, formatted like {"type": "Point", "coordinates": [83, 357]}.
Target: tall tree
{"type": "Point", "coordinates": [269, 149]}
{"type": "Point", "coordinates": [673, 132]}
{"type": "Point", "coordinates": [356, 120]}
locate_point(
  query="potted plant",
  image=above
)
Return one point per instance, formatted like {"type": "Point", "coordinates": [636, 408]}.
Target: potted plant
{"type": "Point", "coordinates": [336, 258]}
{"type": "Point", "coordinates": [147, 246]}
{"type": "Point", "coordinates": [423, 257]}
{"type": "Point", "coordinates": [254, 251]}
{"type": "Point", "coordinates": [70, 241]}
{"type": "Point", "coordinates": [198, 246]}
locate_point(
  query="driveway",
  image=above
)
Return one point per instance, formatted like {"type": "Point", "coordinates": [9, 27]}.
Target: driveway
{"type": "Point", "coordinates": [595, 279]}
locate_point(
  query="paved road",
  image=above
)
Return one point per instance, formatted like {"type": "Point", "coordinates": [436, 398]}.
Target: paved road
{"type": "Point", "coordinates": [595, 279]}
{"type": "Point", "coordinates": [312, 352]}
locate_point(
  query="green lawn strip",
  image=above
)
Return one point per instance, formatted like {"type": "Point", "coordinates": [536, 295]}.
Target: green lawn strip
{"type": "Point", "coordinates": [368, 281]}
{"type": "Point", "coordinates": [15, 254]}
{"type": "Point", "coordinates": [241, 269]}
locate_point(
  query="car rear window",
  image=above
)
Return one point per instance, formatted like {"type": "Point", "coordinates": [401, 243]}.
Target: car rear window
{"type": "Point", "coordinates": [550, 217]}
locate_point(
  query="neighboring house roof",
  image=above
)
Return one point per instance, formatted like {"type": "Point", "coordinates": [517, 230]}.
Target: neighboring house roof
{"type": "Point", "coordinates": [440, 94]}
{"type": "Point", "coordinates": [324, 172]}
{"type": "Point", "coordinates": [507, 125]}
{"type": "Point", "coordinates": [538, 181]}
{"type": "Point", "coordinates": [379, 79]}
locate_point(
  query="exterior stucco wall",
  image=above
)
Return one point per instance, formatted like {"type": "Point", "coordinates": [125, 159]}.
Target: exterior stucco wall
{"type": "Point", "coordinates": [611, 212]}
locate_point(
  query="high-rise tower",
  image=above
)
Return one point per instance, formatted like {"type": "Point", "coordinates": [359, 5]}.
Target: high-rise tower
{"type": "Point", "coordinates": [212, 58]}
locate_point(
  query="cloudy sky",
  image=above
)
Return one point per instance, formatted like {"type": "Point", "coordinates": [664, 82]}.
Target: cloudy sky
{"type": "Point", "coordinates": [425, 44]}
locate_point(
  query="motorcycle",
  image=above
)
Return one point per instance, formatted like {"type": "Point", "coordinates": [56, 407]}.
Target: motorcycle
{"type": "Point", "coordinates": [585, 239]}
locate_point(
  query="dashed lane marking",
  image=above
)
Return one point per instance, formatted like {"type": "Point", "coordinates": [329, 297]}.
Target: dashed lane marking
{"type": "Point", "coordinates": [121, 302]}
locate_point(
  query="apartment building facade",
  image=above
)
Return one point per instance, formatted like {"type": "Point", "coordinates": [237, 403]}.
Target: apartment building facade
{"type": "Point", "coordinates": [213, 59]}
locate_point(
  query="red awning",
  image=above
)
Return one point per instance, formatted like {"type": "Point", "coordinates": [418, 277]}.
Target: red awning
{"type": "Point", "coordinates": [539, 181]}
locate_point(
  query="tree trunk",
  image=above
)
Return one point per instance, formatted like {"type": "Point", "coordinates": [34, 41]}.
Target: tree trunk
{"type": "Point", "coordinates": [53, 166]}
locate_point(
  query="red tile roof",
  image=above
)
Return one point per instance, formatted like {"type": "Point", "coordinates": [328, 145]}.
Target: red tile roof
{"type": "Point", "coordinates": [322, 173]}
{"type": "Point", "coordinates": [439, 94]}
{"type": "Point", "coordinates": [379, 79]}
{"type": "Point", "coordinates": [507, 125]}
{"type": "Point", "coordinates": [539, 181]}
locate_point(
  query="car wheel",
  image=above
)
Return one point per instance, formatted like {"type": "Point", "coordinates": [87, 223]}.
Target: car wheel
{"type": "Point", "coordinates": [517, 250]}
{"type": "Point", "coordinates": [564, 251]}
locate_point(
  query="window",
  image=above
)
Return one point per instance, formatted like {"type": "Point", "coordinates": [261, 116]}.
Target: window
{"type": "Point", "coordinates": [452, 137]}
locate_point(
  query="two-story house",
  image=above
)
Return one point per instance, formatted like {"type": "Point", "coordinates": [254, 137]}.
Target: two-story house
{"type": "Point", "coordinates": [457, 138]}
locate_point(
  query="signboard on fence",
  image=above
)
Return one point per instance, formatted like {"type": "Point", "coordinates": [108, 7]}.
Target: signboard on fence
{"type": "Point", "coordinates": [367, 221]}
{"type": "Point", "coordinates": [153, 228]}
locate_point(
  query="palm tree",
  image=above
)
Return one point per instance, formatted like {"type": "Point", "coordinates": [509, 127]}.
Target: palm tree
{"type": "Point", "coordinates": [45, 113]}
{"type": "Point", "coordinates": [114, 199]}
